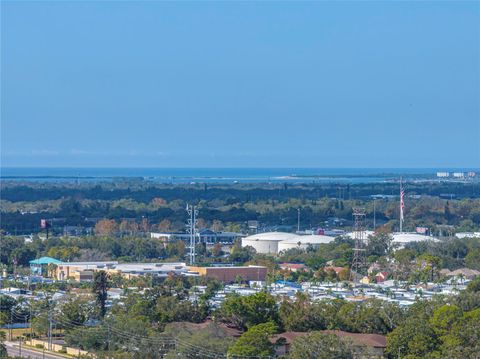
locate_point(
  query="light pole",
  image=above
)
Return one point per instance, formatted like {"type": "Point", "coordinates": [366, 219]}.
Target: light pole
{"type": "Point", "coordinates": [298, 219]}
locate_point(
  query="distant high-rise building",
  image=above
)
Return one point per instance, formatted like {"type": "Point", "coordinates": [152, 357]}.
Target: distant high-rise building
{"type": "Point", "coordinates": [443, 174]}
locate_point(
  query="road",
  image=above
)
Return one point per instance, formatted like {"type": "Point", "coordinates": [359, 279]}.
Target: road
{"type": "Point", "coordinates": [13, 350]}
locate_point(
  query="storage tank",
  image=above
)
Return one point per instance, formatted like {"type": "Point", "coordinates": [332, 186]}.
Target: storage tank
{"type": "Point", "coordinates": [303, 242]}
{"type": "Point", "coordinates": [267, 243]}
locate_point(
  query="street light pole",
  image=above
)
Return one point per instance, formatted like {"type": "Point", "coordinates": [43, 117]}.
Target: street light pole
{"type": "Point", "coordinates": [298, 219]}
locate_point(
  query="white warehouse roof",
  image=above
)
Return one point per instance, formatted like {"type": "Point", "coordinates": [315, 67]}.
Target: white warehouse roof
{"type": "Point", "coordinates": [403, 237]}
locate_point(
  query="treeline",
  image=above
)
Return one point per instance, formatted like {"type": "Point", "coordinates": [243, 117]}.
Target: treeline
{"type": "Point", "coordinates": [145, 192]}
{"type": "Point", "coordinates": [22, 206]}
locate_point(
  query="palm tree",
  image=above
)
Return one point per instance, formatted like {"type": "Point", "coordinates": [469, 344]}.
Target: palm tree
{"type": "Point", "coordinates": [51, 270]}
{"type": "Point", "coordinates": [100, 287]}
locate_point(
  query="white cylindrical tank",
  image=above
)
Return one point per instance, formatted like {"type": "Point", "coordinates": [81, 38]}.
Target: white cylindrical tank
{"type": "Point", "coordinates": [303, 242]}
{"type": "Point", "coordinates": [267, 243]}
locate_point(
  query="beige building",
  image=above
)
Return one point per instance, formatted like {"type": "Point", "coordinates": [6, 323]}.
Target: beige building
{"type": "Point", "coordinates": [84, 271]}
{"type": "Point", "coordinates": [80, 270]}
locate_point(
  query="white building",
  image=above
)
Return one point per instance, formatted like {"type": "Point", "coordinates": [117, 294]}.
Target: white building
{"type": "Point", "coordinates": [399, 238]}
{"type": "Point", "coordinates": [443, 174]}
{"type": "Point", "coordinates": [468, 235]}
{"type": "Point", "coordinates": [403, 238]}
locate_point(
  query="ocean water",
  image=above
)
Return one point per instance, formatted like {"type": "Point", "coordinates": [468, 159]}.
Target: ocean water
{"type": "Point", "coordinates": [222, 175]}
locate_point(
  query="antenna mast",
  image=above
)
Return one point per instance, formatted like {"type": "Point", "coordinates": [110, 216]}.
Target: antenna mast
{"type": "Point", "coordinates": [402, 204]}
{"type": "Point", "coordinates": [192, 230]}
{"type": "Point", "coordinates": [359, 261]}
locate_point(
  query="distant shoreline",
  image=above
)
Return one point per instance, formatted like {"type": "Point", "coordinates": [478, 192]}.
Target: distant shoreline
{"type": "Point", "coordinates": [222, 175]}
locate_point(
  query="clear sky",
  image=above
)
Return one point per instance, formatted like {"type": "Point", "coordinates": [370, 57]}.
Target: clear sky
{"type": "Point", "coordinates": [240, 84]}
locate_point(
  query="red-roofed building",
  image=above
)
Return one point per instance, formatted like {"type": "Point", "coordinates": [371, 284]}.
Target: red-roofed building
{"type": "Point", "coordinates": [337, 270]}
{"type": "Point", "coordinates": [293, 267]}
{"type": "Point", "coordinates": [381, 277]}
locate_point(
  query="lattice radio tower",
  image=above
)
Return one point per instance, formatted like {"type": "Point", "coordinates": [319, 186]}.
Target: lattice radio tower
{"type": "Point", "coordinates": [192, 230]}
{"type": "Point", "coordinates": [359, 262]}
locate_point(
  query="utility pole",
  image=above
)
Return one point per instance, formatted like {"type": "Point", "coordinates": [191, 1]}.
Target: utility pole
{"type": "Point", "coordinates": [192, 230]}
{"type": "Point", "coordinates": [108, 343]}
{"type": "Point", "coordinates": [11, 323]}
{"type": "Point", "coordinates": [31, 327]}
{"type": "Point", "coordinates": [298, 219]}
{"type": "Point", "coordinates": [374, 216]}
{"type": "Point", "coordinates": [49, 329]}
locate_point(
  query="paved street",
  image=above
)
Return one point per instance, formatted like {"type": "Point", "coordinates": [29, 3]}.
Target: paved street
{"type": "Point", "coordinates": [13, 349]}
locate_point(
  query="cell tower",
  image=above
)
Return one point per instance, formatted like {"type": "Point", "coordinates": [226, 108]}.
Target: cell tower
{"type": "Point", "coordinates": [192, 230]}
{"type": "Point", "coordinates": [359, 262]}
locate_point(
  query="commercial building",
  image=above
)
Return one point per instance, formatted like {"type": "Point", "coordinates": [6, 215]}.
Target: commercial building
{"type": "Point", "coordinates": [399, 238]}
{"type": "Point", "coordinates": [203, 236]}
{"type": "Point", "coordinates": [232, 274]}
{"type": "Point", "coordinates": [37, 266]}
{"type": "Point", "coordinates": [84, 271]}
{"type": "Point", "coordinates": [468, 235]}
{"type": "Point", "coordinates": [80, 271]}
{"type": "Point", "coordinates": [163, 270]}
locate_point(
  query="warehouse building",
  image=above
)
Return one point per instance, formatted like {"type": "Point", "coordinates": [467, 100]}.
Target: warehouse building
{"type": "Point", "coordinates": [232, 274]}
{"type": "Point", "coordinates": [84, 271]}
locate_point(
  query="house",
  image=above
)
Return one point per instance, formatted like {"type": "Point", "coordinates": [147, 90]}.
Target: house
{"type": "Point", "coordinates": [374, 267]}
{"type": "Point", "coordinates": [293, 267]}
{"type": "Point", "coordinates": [365, 280]}
{"type": "Point", "coordinates": [337, 270]}
{"type": "Point", "coordinates": [365, 346]}
{"type": "Point", "coordinates": [465, 273]}
{"type": "Point", "coordinates": [381, 277]}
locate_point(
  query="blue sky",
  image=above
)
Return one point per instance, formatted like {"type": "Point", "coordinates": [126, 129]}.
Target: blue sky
{"type": "Point", "coordinates": [240, 84]}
